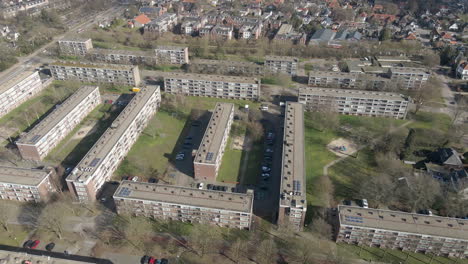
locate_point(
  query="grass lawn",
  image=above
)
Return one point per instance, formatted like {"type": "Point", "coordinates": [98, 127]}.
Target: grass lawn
{"type": "Point", "coordinates": [317, 156]}
{"type": "Point", "coordinates": [15, 231]}
{"type": "Point", "coordinates": [393, 256]}
{"type": "Point", "coordinates": [230, 165]}
{"type": "Point", "coordinates": [154, 146]}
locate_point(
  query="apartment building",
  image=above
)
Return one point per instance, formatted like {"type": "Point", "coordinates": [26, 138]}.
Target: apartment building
{"type": "Point", "coordinates": [98, 165]}
{"type": "Point", "coordinates": [292, 203]}
{"type": "Point", "coordinates": [345, 80]}
{"type": "Point", "coordinates": [37, 143]}
{"type": "Point", "coordinates": [210, 153]}
{"type": "Point", "coordinates": [192, 205]}
{"type": "Point", "coordinates": [239, 68]}
{"type": "Point", "coordinates": [18, 89]}
{"type": "Point", "coordinates": [441, 236]}
{"type": "Point", "coordinates": [26, 185]}
{"type": "Point", "coordinates": [281, 64]}
{"type": "Point", "coordinates": [75, 46]}
{"type": "Point", "coordinates": [409, 78]}
{"type": "Point", "coordinates": [10, 9]}
{"type": "Point", "coordinates": [96, 73]}
{"type": "Point", "coordinates": [161, 24]}
{"type": "Point", "coordinates": [172, 55]}
{"type": "Point", "coordinates": [220, 86]}
{"type": "Point", "coordinates": [355, 102]}
{"type": "Point", "coordinates": [134, 57]}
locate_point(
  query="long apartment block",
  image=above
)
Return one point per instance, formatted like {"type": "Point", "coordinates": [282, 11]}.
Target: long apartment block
{"type": "Point", "coordinates": [293, 203]}
{"type": "Point", "coordinates": [192, 205]}
{"type": "Point", "coordinates": [281, 64]}
{"type": "Point", "coordinates": [332, 79]}
{"type": "Point", "coordinates": [96, 73]}
{"type": "Point", "coordinates": [37, 143]}
{"type": "Point", "coordinates": [409, 78]}
{"type": "Point", "coordinates": [75, 46]}
{"type": "Point", "coordinates": [441, 236]}
{"type": "Point", "coordinates": [220, 86]}
{"type": "Point", "coordinates": [355, 102]}
{"type": "Point", "coordinates": [26, 185]}
{"type": "Point", "coordinates": [172, 55]}
{"type": "Point", "coordinates": [122, 56]}
{"type": "Point", "coordinates": [242, 68]}
{"type": "Point", "coordinates": [97, 166]}
{"type": "Point", "coordinates": [18, 89]}
{"type": "Point", "coordinates": [210, 153]}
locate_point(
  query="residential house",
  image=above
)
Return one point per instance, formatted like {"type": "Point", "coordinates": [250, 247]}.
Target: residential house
{"type": "Point", "coordinates": [322, 36]}
{"type": "Point", "coordinates": [161, 24]}
{"type": "Point", "coordinates": [446, 166]}
{"type": "Point", "coordinates": [140, 21]}
{"type": "Point", "coordinates": [462, 71]}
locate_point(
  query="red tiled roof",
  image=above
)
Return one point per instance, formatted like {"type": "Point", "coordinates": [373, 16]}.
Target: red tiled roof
{"type": "Point", "coordinates": [387, 17]}
{"type": "Point", "coordinates": [142, 19]}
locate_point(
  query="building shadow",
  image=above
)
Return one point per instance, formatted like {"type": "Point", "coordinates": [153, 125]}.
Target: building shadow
{"type": "Point", "coordinates": [56, 255]}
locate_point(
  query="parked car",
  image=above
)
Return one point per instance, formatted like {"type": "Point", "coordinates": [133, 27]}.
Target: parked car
{"type": "Point", "coordinates": [35, 244]}
{"type": "Point", "coordinates": [209, 186]}
{"type": "Point", "coordinates": [269, 150]}
{"type": "Point", "coordinates": [346, 202]}
{"type": "Point", "coordinates": [50, 246]}
{"type": "Point", "coordinates": [152, 260]}
{"type": "Point", "coordinates": [135, 179]}
{"type": "Point", "coordinates": [28, 244]}
{"type": "Point", "coordinates": [145, 259]}
{"type": "Point", "coordinates": [270, 135]}
{"type": "Point", "coordinates": [266, 169]}
{"type": "Point", "coordinates": [200, 185]}
{"type": "Point", "coordinates": [265, 175]}
{"type": "Point", "coordinates": [196, 123]}
{"type": "Point", "coordinates": [180, 156]}
{"type": "Point", "coordinates": [153, 180]}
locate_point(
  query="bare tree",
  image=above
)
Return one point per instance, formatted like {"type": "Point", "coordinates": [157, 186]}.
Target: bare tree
{"type": "Point", "coordinates": [423, 191]}
{"type": "Point", "coordinates": [255, 130]}
{"type": "Point", "coordinates": [237, 250]}
{"type": "Point", "coordinates": [204, 238]}
{"type": "Point", "coordinates": [267, 252]}
{"type": "Point", "coordinates": [425, 94]}
{"type": "Point", "coordinates": [378, 188]}
{"type": "Point", "coordinates": [53, 218]}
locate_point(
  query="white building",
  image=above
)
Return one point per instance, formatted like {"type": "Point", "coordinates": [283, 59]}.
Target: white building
{"type": "Point", "coordinates": [18, 89]}
{"type": "Point", "coordinates": [75, 46]}
{"type": "Point", "coordinates": [462, 71]}
{"type": "Point", "coordinates": [37, 143]}
{"type": "Point", "coordinates": [98, 165]}
{"type": "Point", "coordinates": [172, 55]}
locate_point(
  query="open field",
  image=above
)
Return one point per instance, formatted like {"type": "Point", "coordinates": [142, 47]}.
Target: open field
{"type": "Point", "coordinates": [14, 237]}
{"type": "Point", "coordinates": [374, 254]}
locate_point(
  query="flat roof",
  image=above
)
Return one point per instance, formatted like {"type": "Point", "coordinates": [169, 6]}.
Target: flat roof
{"type": "Point", "coordinates": [404, 222]}
{"type": "Point", "coordinates": [352, 93]}
{"type": "Point", "coordinates": [409, 70]}
{"type": "Point", "coordinates": [332, 74]}
{"type": "Point", "coordinates": [169, 47]}
{"type": "Point", "coordinates": [293, 176]}
{"type": "Point", "coordinates": [120, 67]}
{"type": "Point", "coordinates": [392, 58]}
{"type": "Point", "coordinates": [225, 62]}
{"type": "Point", "coordinates": [280, 58]}
{"type": "Point", "coordinates": [214, 134]}
{"type": "Point", "coordinates": [22, 176]}
{"type": "Point", "coordinates": [60, 112]}
{"type": "Point", "coordinates": [122, 52]}
{"type": "Point", "coordinates": [11, 81]}
{"type": "Point", "coordinates": [241, 202]}
{"type": "Point", "coordinates": [208, 77]}
{"type": "Point", "coordinates": [85, 169]}
{"type": "Point", "coordinates": [75, 39]}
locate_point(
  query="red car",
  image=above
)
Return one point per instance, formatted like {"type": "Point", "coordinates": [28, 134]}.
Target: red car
{"type": "Point", "coordinates": [152, 260]}
{"type": "Point", "coordinates": [35, 244]}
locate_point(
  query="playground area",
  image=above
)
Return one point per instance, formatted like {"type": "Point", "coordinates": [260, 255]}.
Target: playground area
{"type": "Point", "coordinates": [342, 147]}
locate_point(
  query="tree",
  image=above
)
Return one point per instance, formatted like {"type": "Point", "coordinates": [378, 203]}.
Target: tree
{"type": "Point", "coordinates": [447, 55]}
{"type": "Point", "coordinates": [204, 238]}
{"type": "Point", "coordinates": [255, 130]}
{"type": "Point", "coordinates": [385, 34]}
{"type": "Point", "coordinates": [431, 60]}
{"type": "Point", "coordinates": [237, 250]}
{"type": "Point", "coordinates": [267, 252]}
{"type": "Point", "coordinates": [378, 188]}
{"type": "Point", "coordinates": [430, 91]}
{"type": "Point", "coordinates": [423, 191]}
{"type": "Point", "coordinates": [53, 218]}
{"type": "Point", "coordinates": [325, 120]}
{"type": "Point", "coordinates": [339, 14]}
{"type": "Point", "coordinates": [321, 228]}
{"type": "Point", "coordinates": [296, 22]}
{"type": "Point", "coordinates": [408, 146]}
{"type": "Point", "coordinates": [5, 215]}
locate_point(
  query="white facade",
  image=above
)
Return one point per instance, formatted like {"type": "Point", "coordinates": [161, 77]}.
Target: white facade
{"type": "Point", "coordinates": [18, 89]}
{"type": "Point", "coordinates": [98, 165]}
{"type": "Point", "coordinates": [38, 142]}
